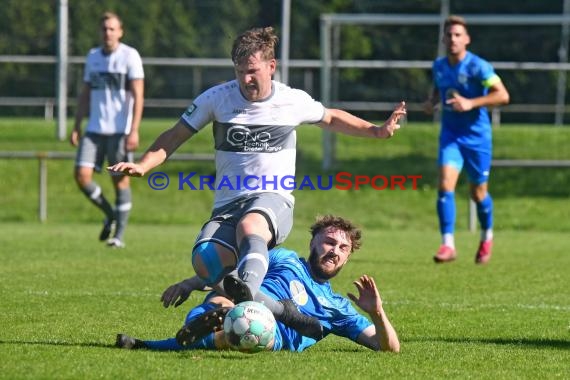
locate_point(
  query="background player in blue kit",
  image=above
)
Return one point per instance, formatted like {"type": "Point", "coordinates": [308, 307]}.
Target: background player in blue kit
{"type": "Point", "coordinates": [112, 96]}
{"type": "Point", "coordinates": [466, 84]}
{"type": "Point", "coordinates": [334, 239]}
{"type": "Point", "coordinates": [254, 121]}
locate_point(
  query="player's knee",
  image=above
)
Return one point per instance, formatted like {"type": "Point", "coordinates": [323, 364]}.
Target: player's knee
{"type": "Point", "coordinates": [82, 177]}
{"type": "Point", "coordinates": [478, 193]}
{"type": "Point", "coordinates": [447, 184]}
{"type": "Point", "coordinates": [478, 197]}
{"type": "Point", "coordinates": [212, 261]}
{"type": "Point", "coordinates": [121, 182]}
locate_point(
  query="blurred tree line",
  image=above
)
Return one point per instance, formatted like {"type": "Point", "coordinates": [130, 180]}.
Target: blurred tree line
{"type": "Point", "coordinates": [206, 28]}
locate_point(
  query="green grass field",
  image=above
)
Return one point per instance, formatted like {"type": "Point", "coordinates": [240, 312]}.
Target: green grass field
{"type": "Point", "coordinates": [64, 295]}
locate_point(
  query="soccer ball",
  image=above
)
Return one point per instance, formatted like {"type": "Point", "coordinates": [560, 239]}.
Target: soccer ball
{"type": "Point", "coordinates": [250, 327]}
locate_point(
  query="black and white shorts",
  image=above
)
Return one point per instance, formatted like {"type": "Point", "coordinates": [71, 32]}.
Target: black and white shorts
{"type": "Point", "coordinates": [221, 228]}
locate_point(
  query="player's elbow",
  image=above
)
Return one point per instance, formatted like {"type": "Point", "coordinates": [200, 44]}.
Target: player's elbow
{"type": "Point", "coordinates": [506, 98]}
{"type": "Point", "coordinates": [503, 97]}
{"type": "Point", "coordinates": [394, 347]}
{"type": "Point", "coordinates": [391, 346]}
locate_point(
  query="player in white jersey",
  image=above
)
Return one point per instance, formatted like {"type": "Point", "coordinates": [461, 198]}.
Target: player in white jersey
{"type": "Point", "coordinates": [112, 96]}
{"type": "Point", "coordinates": [254, 120]}
{"type": "Point", "coordinates": [306, 282]}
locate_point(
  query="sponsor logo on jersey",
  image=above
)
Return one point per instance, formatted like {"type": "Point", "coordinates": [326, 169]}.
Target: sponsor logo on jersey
{"type": "Point", "coordinates": [105, 80]}
{"type": "Point", "coordinates": [298, 292]}
{"type": "Point", "coordinates": [450, 93]}
{"type": "Point", "coordinates": [239, 135]}
{"type": "Point", "coordinates": [249, 140]}
{"type": "Point", "coordinates": [190, 109]}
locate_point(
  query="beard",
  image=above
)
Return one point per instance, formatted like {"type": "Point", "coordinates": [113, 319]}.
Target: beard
{"type": "Point", "coordinates": [317, 269]}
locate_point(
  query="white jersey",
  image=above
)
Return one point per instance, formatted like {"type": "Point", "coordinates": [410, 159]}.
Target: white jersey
{"type": "Point", "coordinates": [111, 104]}
{"type": "Point", "coordinates": [255, 142]}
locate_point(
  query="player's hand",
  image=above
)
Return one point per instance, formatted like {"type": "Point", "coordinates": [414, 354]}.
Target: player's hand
{"type": "Point", "coordinates": [176, 294]}
{"type": "Point", "coordinates": [127, 168]}
{"type": "Point", "coordinates": [132, 141]}
{"type": "Point", "coordinates": [368, 296]}
{"type": "Point", "coordinates": [429, 106]}
{"type": "Point", "coordinates": [75, 137]}
{"type": "Point", "coordinates": [391, 125]}
{"type": "Point", "coordinates": [459, 103]}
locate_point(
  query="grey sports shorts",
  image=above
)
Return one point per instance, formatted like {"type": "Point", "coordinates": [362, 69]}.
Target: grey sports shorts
{"type": "Point", "coordinates": [221, 228]}
{"type": "Point", "coordinates": [94, 148]}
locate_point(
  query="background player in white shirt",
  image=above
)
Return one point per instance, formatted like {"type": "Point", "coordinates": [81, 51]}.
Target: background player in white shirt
{"type": "Point", "coordinates": [254, 121]}
{"type": "Point", "coordinates": [112, 96]}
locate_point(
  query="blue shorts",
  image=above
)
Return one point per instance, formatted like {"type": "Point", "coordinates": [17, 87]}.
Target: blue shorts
{"type": "Point", "coordinates": [477, 162]}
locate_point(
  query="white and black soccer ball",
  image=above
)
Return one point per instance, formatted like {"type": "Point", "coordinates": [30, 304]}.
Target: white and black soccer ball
{"type": "Point", "coordinates": [250, 327]}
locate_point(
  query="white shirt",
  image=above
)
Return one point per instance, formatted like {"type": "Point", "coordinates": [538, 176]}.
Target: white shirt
{"type": "Point", "coordinates": [255, 142]}
{"type": "Point", "coordinates": [111, 105]}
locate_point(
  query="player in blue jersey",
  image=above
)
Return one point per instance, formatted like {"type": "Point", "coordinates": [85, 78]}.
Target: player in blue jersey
{"type": "Point", "coordinates": [304, 283]}
{"type": "Point", "coordinates": [466, 85]}
{"type": "Point", "coordinates": [254, 121]}
{"type": "Point", "coordinates": [112, 97]}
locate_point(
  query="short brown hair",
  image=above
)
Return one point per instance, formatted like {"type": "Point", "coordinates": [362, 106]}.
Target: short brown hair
{"type": "Point", "coordinates": [455, 20]}
{"type": "Point", "coordinates": [109, 15]}
{"type": "Point", "coordinates": [252, 41]}
{"type": "Point", "coordinates": [339, 223]}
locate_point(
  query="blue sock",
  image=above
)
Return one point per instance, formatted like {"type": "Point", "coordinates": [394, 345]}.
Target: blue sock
{"type": "Point", "coordinates": [171, 344]}
{"type": "Point", "coordinates": [446, 211]}
{"type": "Point", "coordinates": [164, 345]}
{"type": "Point", "coordinates": [485, 212]}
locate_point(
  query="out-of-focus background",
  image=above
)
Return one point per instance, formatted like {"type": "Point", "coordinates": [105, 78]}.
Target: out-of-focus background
{"type": "Point", "coordinates": [380, 52]}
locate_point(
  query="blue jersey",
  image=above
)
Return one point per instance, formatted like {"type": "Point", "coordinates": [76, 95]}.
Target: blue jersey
{"type": "Point", "coordinates": [471, 78]}
{"type": "Point", "coordinates": [289, 277]}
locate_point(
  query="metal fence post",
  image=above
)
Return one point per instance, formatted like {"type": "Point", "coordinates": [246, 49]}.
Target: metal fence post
{"type": "Point", "coordinates": [42, 207]}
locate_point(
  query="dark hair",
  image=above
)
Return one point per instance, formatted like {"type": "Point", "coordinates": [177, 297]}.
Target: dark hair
{"type": "Point", "coordinates": [455, 20]}
{"type": "Point", "coordinates": [336, 222]}
{"type": "Point", "coordinates": [252, 41]}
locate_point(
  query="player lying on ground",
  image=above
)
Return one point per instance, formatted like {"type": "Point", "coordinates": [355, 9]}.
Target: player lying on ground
{"type": "Point", "coordinates": [306, 284]}
{"type": "Point", "coordinates": [254, 121]}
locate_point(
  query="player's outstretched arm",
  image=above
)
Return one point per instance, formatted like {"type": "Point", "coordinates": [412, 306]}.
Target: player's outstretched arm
{"type": "Point", "coordinates": [178, 293]}
{"type": "Point", "coordinates": [158, 152]}
{"type": "Point", "coordinates": [382, 336]}
{"type": "Point", "coordinates": [341, 121]}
